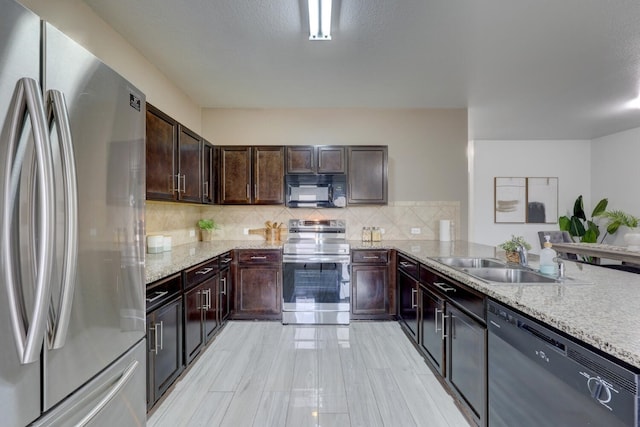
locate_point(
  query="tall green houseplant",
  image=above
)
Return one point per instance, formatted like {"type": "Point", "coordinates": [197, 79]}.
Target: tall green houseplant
{"type": "Point", "coordinates": [578, 226]}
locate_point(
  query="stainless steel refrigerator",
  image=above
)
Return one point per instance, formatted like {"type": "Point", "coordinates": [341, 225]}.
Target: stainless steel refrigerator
{"type": "Point", "coordinates": [72, 309]}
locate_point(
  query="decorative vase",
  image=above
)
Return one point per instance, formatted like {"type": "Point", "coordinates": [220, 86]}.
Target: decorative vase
{"type": "Point", "coordinates": [513, 256]}
{"type": "Point", "coordinates": [206, 235]}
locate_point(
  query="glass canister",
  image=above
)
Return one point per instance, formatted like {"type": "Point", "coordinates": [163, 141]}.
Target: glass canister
{"type": "Point", "coordinates": [366, 234]}
{"type": "Point", "coordinates": [376, 234]}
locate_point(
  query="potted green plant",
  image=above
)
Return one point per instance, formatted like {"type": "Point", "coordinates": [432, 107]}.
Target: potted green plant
{"type": "Point", "coordinates": [511, 247]}
{"type": "Point", "coordinates": [579, 226]}
{"type": "Point", "coordinates": [588, 230]}
{"type": "Point", "coordinates": [206, 229]}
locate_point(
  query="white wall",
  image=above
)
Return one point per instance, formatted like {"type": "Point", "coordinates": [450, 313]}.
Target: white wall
{"type": "Point", "coordinates": [615, 173]}
{"type": "Point", "coordinates": [78, 21]}
{"type": "Point", "coordinates": [570, 161]}
{"type": "Point", "coordinates": [427, 147]}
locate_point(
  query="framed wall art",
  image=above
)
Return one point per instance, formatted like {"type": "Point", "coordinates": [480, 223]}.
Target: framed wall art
{"type": "Point", "coordinates": [510, 200]}
{"type": "Point", "coordinates": [521, 200]}
{"type": "Point", "coordinates": [542, 200]}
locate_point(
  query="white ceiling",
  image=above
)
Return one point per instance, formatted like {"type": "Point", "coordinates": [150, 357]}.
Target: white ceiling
{"type": "Point", "coordinates": [525, 69]}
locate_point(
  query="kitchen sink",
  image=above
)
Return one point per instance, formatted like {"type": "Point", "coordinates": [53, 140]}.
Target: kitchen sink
{"type": "Point", "coordinates": [471, 262]}
{"type": "Point", "coordinates": [509, 275]}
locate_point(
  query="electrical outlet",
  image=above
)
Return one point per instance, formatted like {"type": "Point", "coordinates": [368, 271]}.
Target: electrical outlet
{"type": "Point", "coordinates": [245, 231]}
{"type": "Point", "coordinates": [415, 230]}
{"type": "Point", "coordinates": [382, 231]}
{"type": "Point", "coordinates": [192, 233]}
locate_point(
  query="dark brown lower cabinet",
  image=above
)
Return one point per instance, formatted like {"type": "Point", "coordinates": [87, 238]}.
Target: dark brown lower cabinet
{"type": "Point", "coordinates": [369, 284]}
{"type": "Point", "coordinates": [432, 330]}
{"type": "Point", "coordinates": [225, 291]}
{"type": "Point", "coordinates": [164, 345]}
{"type": "Point", "coordinates": [258, 285]}
{"type": "Point", "coordinates": [201, 316]}
{"type": "Point", "coordinates": [452, 334]}
{"type": "Point", "coordinates": [408, 296]}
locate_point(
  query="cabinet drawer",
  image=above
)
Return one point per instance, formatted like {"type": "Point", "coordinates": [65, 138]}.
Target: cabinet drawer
{"type": "Point", "coordinates": [201, 272]}
{"type": "Point", "coordinates": [161, 291]}
{"type": "Point", "coordinates": [259, 257]}
{"type": "Point", "coordinates": [370, 256]}
{"type": "Point", "coordinates": [408, 265]}
{"type": "Point", "coordinates": [225, 260]}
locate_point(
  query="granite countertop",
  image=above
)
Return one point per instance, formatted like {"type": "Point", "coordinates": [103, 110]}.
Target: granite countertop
{"type": "Point", "coordinates": [602, 310]}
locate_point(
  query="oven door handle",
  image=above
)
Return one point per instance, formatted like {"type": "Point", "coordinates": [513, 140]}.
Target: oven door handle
{"type": "Point", "coordinates": [310, 259]}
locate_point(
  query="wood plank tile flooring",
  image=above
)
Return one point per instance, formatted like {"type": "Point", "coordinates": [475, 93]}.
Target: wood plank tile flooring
{"type": "Point", "coordinates": [266, 374]}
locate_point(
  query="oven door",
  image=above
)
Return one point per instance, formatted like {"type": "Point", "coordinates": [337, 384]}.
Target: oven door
{"type": "Point", "coordinates": [316, 290]}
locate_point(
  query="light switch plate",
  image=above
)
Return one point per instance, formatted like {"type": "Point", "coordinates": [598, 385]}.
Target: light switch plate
{"type": "Point", "coordinates": [415, 230]}
{"type": "Point", "coordinates": [192, 233]}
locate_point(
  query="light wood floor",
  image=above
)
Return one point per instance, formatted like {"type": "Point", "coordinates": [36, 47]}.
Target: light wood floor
{"type": "Point", "coordinates": [266, 374]}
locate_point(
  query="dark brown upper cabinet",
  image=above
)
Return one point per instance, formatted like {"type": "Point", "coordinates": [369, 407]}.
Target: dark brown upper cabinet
{"type": "Point", "coordinates": [189, 176]}
{"type": "Point", "coordinates": [174, 160]}
{"type": "Point", "coordinates": [311, 159]}
{"type": "Point", "coordinates": [252, 175]}
{"type": "Point", "coordinates": [367, 176]}
{"type": "Point", "coordinates": [161, 154]}
{"type": "Point", "coordinates": [208, 173]}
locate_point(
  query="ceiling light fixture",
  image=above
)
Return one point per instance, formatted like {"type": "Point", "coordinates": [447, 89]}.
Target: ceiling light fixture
{"type": "Point", "coordinates": [319, 19]}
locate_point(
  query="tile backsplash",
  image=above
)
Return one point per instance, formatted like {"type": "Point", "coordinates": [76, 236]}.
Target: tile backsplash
{"type": "Point", "coordinates": [397, 219]}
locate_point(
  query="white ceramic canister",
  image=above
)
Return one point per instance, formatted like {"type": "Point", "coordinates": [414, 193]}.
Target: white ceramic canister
{"type": "Point", "coordinates": [155, 244]}
{"type": "Point", "coordinates": [167, 243]}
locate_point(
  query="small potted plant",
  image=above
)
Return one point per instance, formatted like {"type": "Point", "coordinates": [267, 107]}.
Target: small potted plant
{"type": "Point", "coordinates": [511, 248]}
{"type": "Point", "coordinates": [206, 229]}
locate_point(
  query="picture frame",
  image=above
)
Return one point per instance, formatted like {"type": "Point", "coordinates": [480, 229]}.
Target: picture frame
{"type": "Point", "coordinates": [510, 197]}
{"type": "Point", "coordinates": [520, 200]}
{"type": "Point", "coordinates": [542, 200]}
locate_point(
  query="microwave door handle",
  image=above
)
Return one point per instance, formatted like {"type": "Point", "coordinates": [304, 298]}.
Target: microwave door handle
{"type": "Point", "coordinates": [28, 330]}
{"type": "Point", "coordinates": [58, 115]}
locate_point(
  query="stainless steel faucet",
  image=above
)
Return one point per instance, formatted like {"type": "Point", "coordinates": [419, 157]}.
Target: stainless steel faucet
{"type": "Point", "coordinates": [560, 268]}
{"type": "Point", "coordinates": [523, 255]}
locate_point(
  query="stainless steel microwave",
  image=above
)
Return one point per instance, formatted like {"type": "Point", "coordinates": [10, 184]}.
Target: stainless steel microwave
{"type": "Point", "coordinates": [316, 191]}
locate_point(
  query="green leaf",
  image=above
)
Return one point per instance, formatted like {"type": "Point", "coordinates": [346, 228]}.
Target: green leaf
{"type": "Point", "coordinates": [590, 236]}
{"type": "Point", "coordinates": [613, 227]}
{"type": "Point", "coordinates": [600, 208]}
{"type": "Point", "coordinates": [576, 228]}
{"type": "Point", "coordinates": [564, 223]}
{"type": "Point", "coordinates": [578, 209]}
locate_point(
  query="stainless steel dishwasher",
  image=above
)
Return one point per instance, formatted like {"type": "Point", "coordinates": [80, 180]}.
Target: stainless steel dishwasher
{"type": "Point", "coordinates": [538, 377]}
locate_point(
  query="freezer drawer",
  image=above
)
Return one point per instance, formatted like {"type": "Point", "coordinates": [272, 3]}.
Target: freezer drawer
{"type": "Point", "coordinates": [113, 398]}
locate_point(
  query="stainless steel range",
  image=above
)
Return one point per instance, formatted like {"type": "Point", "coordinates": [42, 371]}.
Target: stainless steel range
{"type": "Point", "coordinates": [315, 287]}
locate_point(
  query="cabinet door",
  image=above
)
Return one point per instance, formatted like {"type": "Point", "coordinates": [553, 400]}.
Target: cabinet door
{"type": "Point", "coordinates": [367, 175]}
{"type": "Point", "coordinates": [431, 328]}
{"type": "Point", "coordinates": [208, 174]}
{"type": "Point", "coordinates": [165, 348]}
{"type": "Point", "coordinates": [370, 289]}
{"type": "Point", "coordinates": [161, 150]}
{"type": "Point", "coordinates": [331, 159]}
{"type": "Point", "coordinates": [194, 300]}
{"type": "Point", "coordinates": [258, 291]}
{"type": "Point", "coordinates": [225, 294]}
{"type": "Point", "coordinates": [235, 175]}
{"type": "Point", "coordinates": [210, 307]}
{"type": "Point", "coordinates": [268, 175]}
{"type": "Point", "coordinates": [408, 302]}
{"type": "Point", "coordinates": [190, 170]}
{"type": "Point", "coordinates": [466, 363]}
{"type": "Point", "coordinates": [301, 159]}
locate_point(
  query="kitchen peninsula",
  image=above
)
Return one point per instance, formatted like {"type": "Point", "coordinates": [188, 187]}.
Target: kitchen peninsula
{"type": "Point", "coordinates": [601, 311]}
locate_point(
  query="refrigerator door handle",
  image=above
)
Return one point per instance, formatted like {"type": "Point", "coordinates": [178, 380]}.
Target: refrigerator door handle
{"type": "Point", "coordinates": [115, 389]}
{"type": "Point", "coordinates": [58, 115]}
{"type": "Point", "coordinates": [28, 329]}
